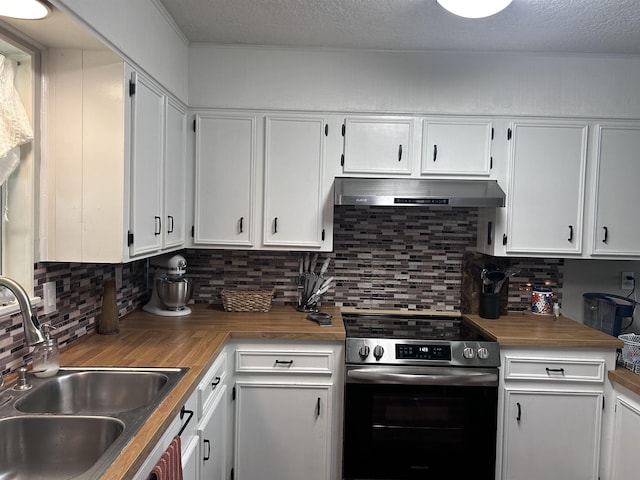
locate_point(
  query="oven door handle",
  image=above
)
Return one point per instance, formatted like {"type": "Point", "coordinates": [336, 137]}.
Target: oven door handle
{"type": "Point", "coordinates": [462, 378]}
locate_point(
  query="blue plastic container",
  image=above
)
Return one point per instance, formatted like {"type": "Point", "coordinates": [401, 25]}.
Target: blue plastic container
{"type": "Point", "coordinates": [605, 311]}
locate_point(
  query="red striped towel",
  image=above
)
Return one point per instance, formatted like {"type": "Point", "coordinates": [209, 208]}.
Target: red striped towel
{"type": "Point", "coordinates": [169, 467]}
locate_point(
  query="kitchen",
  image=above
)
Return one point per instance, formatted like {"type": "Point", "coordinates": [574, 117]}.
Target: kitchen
{"type": "Point", "coordinates": [460, 84]}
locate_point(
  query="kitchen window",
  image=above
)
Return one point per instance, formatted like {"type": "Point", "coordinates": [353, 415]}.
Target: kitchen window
{"type": "Point", "coordinates": [18, 234]}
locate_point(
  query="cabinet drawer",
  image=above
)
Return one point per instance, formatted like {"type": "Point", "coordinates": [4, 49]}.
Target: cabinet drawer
{"type": "Point", "coordinates": [255, 361]}
{"type": "Point", "coordinates": [212, 383]}
{"type": "Point", "coordinates": [553, 369]}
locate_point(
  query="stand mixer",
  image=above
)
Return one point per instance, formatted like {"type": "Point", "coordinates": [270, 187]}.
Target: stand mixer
{"type": "Point", "coordinates": [171, 289]}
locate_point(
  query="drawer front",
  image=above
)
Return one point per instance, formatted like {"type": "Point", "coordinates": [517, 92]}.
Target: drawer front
{"type": "Point", "coordinates": [551, 369]}
{"type": "Point", "coordinates": [256, 361]}
{"type": "Point", "coordinates": [212, 383]}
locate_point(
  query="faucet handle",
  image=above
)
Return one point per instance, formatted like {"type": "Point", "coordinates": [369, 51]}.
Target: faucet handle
{"type": "Point", "coordinates": [21, 384]}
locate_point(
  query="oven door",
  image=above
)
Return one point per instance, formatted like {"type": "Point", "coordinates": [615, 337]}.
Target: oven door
{"type": "Point", "coordinates": [419, 423]}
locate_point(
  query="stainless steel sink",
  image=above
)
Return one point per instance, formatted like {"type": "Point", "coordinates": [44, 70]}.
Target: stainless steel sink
{"type": "Point", "coordinates": [94, 392]}
{"type": "Point", "coordinates": [54, 447]}
{"type": "Point", "coordinates": [74, 425]}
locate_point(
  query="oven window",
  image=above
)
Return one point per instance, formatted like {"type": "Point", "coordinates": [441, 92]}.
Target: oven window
{"type": "Point", "coordinates": [408, 432]}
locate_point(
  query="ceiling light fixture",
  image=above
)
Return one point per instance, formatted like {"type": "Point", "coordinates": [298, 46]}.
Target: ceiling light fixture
{"type": "Point", "coordinates": [24, 9]}
{"type": "Point", "coordinates": [474, 8]}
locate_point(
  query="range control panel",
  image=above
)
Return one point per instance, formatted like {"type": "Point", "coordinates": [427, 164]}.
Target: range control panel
{"type": "Point", "coordinates": [361, 351]}
{"type": "Point", "coordinates": [423, 352]}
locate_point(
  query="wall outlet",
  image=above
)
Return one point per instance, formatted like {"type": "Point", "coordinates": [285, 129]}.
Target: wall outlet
{"type": "Point", "coordinates": [628, 281]}
{"type": "Point", "coordinates": [49, 297]}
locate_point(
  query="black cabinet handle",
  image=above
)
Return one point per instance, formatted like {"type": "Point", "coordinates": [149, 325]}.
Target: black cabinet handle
{"type": "Point", "coordinates": [489, 233]}
{"type": "Point", "coordinates": [554, 370]}
{"type": "Point", "coordinates": [170, 218]}
{"type": "Point", "coordinates": [570, 233]}
{"type": "Point", "coordinates": [435, 152]}
{"type": "Point", "coordinates": [208, 455]}
{"type": "Point", "coordinates": [184, 411]}
{"type": "Point", "coordinates": [519, 417]}
{"type": "Point", "coordinates": [318, 407]}
{"type": "Point", "coordinates": [158, 226]}
{"type": "Point", "coordinates": [241, 221]}
{"type": "Point", "coordinates": [400, 152]}
{"type": "Point", "coordinates": [606, 235]}
{"type": "Point", "coordinates": [215, 383]}
{"type": "Point", "coordinates": [284, 362]}
{"type": "Point", "coordinates": [275, 225]}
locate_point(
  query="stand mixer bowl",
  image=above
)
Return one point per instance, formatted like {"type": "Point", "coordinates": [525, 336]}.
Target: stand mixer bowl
{"type": "Point", "coordinates": [174, 292]}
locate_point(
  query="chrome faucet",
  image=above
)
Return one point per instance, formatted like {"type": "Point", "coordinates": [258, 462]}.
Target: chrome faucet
{"type": "Point", "coordinates": [32, 333]}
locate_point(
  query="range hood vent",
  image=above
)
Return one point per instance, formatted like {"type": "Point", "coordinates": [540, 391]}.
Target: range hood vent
{"type": "Point", "coordinates": [416, 192]}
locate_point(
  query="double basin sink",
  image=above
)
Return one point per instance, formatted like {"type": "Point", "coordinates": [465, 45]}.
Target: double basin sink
{"type": "Point", "coordinates": [74, 425]}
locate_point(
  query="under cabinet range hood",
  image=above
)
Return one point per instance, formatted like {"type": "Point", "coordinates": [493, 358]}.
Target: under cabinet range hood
{"type": "Point", "coordinates": [408, 192]}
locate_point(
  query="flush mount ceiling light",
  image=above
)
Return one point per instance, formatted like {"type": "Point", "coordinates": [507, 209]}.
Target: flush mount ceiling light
{"type": "Point", "coordinates": [24, 9]}
{"type": "Point", "coordinates": [474, 8]}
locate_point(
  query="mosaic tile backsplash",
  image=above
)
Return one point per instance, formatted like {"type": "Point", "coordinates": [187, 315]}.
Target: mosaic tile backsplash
{"type": "Point", "coordinates": [383, 258]}
{"type": "Point", "coordinates": [79, 290]}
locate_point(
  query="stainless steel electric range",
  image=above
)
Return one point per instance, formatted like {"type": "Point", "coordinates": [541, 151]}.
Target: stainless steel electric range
{"type": "Point", "coordinates": [420, 398]}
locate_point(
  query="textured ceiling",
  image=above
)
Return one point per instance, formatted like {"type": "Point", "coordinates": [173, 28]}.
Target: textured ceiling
{"type": "Point", "coordinates": [570, 26]}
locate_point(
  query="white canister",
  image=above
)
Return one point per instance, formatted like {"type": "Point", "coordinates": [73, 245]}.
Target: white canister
{"type": "Point", "coordinates": [542, 301]}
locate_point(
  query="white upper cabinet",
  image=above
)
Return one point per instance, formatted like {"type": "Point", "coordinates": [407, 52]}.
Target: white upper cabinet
{"type": "Point", "coordinates": [112, 133]}
{"type": "Point", "coordinates": [272, 198]}
{"type": "Point", "coordinates": [546, 188]}
{"type": "Point", "coordinates": [378, 145]}
{"type": "Point", "coordinates": [147, 149]}
{"type": "Point", "coordinates": [617, 196]}
{"type": "Point", "coordinates": [293, 195]}
{"type": "Point", "coordinates": [225, 180]}
{"type": "Point", "coordinates": [174, 175]}
{"type": "Point", "coordinates": [456, 147]}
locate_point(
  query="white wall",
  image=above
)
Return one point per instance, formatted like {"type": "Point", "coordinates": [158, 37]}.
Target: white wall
{"type": "Point", "coordinates": [396, 82]}
{"type": "Point", "coordinates": [581, 276]}
{"type": "Point", "coordinates": [140, 31]}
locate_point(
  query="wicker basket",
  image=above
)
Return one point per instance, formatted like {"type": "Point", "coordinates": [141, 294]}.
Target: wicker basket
{"type": "Point", "coordinates": [244, 300]}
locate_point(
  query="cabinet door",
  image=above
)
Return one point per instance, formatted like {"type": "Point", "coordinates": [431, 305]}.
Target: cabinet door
{"type": "Point", "coordinates": [546, 188]}
{"type": "Point", "coordinates": [147, 135]}
{"type": "Point", "coordinates": [456, 148]}
{"type": "Point", "coordinates": [282, 431]}
{"type": "Point", "coordinates": [225, 180]}
{"type": "Point", "coordinates": [294, 166]}
{"type": "Point", "coordinates": [212, 430]}
{"type": "Point", "coordinates": [626, 438]}
{"type": "Point", "coordinates": [174, 176]}
{"type": "Point", "coordinates": [551, 434]}
{"type": "Point", "coordinates": [617, 229]}
{"type": "Point", "coordinates": [191, 459]}
{"type": "Point", "coordinates": [376, 145]}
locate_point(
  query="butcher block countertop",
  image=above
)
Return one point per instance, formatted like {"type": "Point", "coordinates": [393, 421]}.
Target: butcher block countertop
{"type": "Point", "coordinates": [192, 341]}
{"type": "Point", "coordinates": [528, 330]}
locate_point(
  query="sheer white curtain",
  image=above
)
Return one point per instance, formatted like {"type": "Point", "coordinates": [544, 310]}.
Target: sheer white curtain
{"type": "Point", "coordinates": [15, 127]}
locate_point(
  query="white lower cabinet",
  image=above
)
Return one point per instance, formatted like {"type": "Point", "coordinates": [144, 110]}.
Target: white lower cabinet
{"type": "Point", "coordinates": [551, 413]}
{"type": "Point", "coordinates": [626, 437]}
{"type": "Point", "coordinates": [551, 434]}
{"type": "Point", "coordinates": [213, 425]}
{"type": "Point", "coordinates": [184, 424]}
{"type": "Point", "coordinates": [213, 445]}
{"type": "Point", "coordinates": [288, 411]}
{"type": "Point", "coordinates": [283, 431]}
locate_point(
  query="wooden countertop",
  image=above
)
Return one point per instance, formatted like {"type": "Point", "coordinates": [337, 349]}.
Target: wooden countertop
{"type": "Point", "coordinates": [192, 341]}
{"type": "Point", "coordinates": [626, 378]}
{"type": "Point", "coordinates": [528, 330]}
